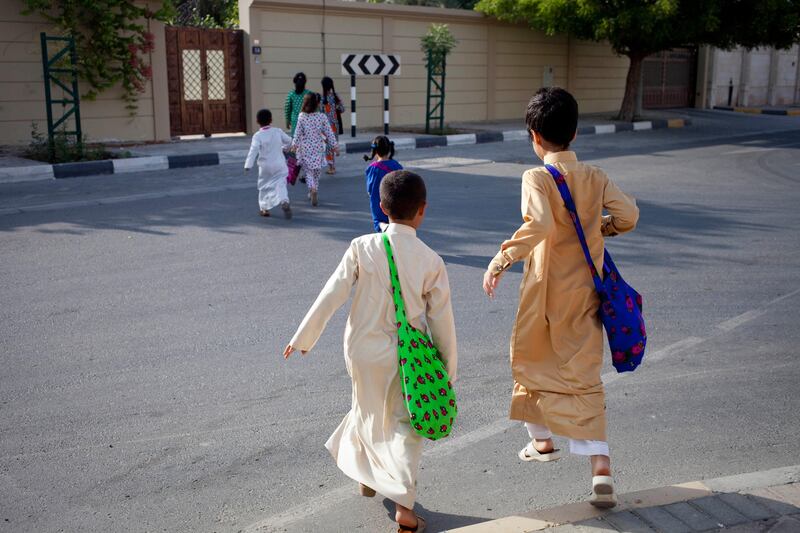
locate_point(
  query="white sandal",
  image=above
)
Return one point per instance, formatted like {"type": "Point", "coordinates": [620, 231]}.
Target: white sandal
{"type": "Point", "coordinates": [603, 496]}
{"type": "Point", "coordinates": [529, 453]}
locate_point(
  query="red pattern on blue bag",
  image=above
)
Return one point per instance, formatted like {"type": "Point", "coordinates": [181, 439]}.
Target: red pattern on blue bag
{"type": "Point", "coordinates": [620, 305]}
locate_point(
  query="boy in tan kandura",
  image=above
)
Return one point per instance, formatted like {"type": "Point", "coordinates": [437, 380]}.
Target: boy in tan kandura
{"type": "Point", "coordinates": [557, 340]}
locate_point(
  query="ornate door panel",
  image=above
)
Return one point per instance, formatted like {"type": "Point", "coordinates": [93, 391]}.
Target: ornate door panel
{"type": "Point", "coordinates": [206, 81]}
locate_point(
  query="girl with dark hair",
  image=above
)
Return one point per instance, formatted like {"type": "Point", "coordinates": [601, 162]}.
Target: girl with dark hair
{"type": "Point", "coordinates": [333, 108]}
{"type": "Point", "coordinates": [294, 101]}
{"type": "Point", "coordinates": [383, 149]}
{"type": "Point", "coordinates": [312, 137]}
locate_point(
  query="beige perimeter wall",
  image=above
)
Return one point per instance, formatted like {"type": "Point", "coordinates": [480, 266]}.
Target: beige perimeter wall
{"type": "Point", "coordinates": [22, 99]}
{"type": "Point", "coordinates": [490, 75]}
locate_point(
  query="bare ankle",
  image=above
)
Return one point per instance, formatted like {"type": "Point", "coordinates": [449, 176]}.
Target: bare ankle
{"type": "Point", "coordinates": [404, 516]}
{"type": "Point", "coordinates": [601, 465]}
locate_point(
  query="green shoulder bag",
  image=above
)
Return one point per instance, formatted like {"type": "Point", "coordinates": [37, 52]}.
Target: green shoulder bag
{"type": "Point", "coordinates": [427, 391]}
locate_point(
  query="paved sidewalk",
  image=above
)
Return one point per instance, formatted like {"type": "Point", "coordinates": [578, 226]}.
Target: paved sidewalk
{"type": "Point", "coordinates": [233, 148]}
{"type": "Point", "coordinates": [758, 502]}
{"type": "Point", "coordinates": [790, 111]}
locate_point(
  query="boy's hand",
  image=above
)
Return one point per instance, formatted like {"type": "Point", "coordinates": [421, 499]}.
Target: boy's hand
{"type": "Point", "coordinates": [490, 282]}
{"type": "Point", "coordinates": [289, 350]}
{"type": "Point", "coordinates": [336, 150]}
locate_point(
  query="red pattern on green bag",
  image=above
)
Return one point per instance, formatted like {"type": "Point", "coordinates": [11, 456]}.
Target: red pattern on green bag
{"type": "Point", "coordinates": [427, 391]}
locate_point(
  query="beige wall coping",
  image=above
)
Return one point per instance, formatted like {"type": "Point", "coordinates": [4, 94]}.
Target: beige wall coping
{"type": "Point", "coordinates": [363, 8]}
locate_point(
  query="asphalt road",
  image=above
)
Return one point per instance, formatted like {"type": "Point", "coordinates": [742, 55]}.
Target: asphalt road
{"type": "Point", "coordinates": [142, 318]}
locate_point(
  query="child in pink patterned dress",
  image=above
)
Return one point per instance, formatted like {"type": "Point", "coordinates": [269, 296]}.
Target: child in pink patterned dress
{"type": "Point", "coordinates": [311, 138]}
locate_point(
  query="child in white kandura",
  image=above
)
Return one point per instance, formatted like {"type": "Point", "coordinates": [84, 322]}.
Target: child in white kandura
{"type": "Point", "coordinates": [267, 147]}
{"type": "Point", "coordinates": [375, 444]}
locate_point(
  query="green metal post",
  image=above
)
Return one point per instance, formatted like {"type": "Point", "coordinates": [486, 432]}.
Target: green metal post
{"type": "Point", "coordinates": [72, 95]}
{"type": "Point", "coordinates": [428, 98]}
{"type": "Point", "coordinates": [441, 100]}
{"type": "Point", "coordinates": [76, 96]}
{"type": "Point", "coordinates": [436, 70]}
{"type": "Point", "coordinates": [47, 96]}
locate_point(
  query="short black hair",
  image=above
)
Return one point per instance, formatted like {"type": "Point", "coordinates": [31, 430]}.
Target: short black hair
{"type": "Point", "coordinates": [264, 117]}
{"type": "Point", "coordinates": [553, 113]}
{"type": "Point", "coordinates": [402, 194]}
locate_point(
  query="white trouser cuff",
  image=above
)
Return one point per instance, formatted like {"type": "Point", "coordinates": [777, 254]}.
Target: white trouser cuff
{"type": "Point", "coordinates": [535, 431]}
{"type": "Point", "coordinates": [576, 446]}
{"type": "Point", "coordinates": [588, 447]}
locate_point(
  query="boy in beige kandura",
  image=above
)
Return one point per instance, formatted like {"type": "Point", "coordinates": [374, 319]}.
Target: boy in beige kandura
{"type": "Point", "coordinates": [375, 444]}
{"type": "Point", "coordinates": [557, 340]}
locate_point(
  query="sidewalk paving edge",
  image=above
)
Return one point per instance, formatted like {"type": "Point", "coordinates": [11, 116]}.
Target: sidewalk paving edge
{"type": "Point", "coordinates": [164, 162]}
{"type": "Point", "coordinates": [577, 512]}
{"type": "Point", "coordinates": [759, 110]}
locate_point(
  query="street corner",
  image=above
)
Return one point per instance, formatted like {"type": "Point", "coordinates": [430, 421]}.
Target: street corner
{"type": "Point", "coordinates": [792, 111]}
{"type": "Point", "coordinates": [766, 501]}
{"type": "Point", "coordinates": [179, 155]}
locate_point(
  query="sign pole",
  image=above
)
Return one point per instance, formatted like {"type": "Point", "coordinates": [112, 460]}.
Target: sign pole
{"type": "Point", "coordinates": [353, 105]}
{"type": "Point", "coordinates": [386, 105]}
{"type": "Point", "coordinates": [370, 65]}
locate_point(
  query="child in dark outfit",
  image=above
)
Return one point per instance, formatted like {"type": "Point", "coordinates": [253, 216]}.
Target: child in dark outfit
{"type": "Point", "coordinates": [383, 149]}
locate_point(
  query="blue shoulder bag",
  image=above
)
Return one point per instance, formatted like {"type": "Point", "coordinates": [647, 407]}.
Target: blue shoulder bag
{"type": "Point", "coordinates": [620, 305]}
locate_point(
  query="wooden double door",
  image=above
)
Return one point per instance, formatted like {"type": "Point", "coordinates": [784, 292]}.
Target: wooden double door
{"type": "Point", "coordinates": [205, 73]}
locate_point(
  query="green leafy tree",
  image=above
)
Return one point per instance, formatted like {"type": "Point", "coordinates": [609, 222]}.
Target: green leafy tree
{"type": "Point", "coordinates": [112, 41]}
{"type": "Point", "coordinates": [638, 28]}
{"type": "Point", "coordinates": [207, 13]}
{"type": "Point", "coordinates": [437, 43]}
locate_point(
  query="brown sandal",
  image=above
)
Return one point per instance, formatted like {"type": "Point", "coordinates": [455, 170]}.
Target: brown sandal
{"type": "Point", "coordinates": [263, 213]}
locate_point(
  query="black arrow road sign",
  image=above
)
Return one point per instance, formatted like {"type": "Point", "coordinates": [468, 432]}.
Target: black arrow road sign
{"type": "Point", "coordinates": [360, 65]}
{"type": "Point", "coordinates": [395, 60]}
{"type": "Point", "coordinates": [381, 64]}
{"type": "Point", "coordinates": [363, 65]}
{"type": "Point", "coordinates": [346, 60]}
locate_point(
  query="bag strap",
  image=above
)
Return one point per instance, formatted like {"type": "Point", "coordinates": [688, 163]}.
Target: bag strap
{"type": "Point", "coordinates": [397, 294]}
{"type": "Point", "coordinates": [569, 203]}
{"type": "Point", "coordinates": [383, 166]}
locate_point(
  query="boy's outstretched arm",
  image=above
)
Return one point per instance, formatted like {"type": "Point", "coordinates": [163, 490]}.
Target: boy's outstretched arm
{"type": "Point", "coordinates": [286, 141]}
{"type": "Point", "coordinates": [537, 223]}
{"type": "Point", "coordinates": [622, 211]}
{"type": "Point", "coordinates": [332, 297]}
{"type": "Point", "coordinates": [289, 350]}
{"type": "Point", "coordinates": [252, 155]}
{"type": "Point", "coordinates": [439, 316]}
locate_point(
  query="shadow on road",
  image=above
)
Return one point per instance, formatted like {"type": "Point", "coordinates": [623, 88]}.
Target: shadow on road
{"type": "Point", "coordinates": [436, 521]}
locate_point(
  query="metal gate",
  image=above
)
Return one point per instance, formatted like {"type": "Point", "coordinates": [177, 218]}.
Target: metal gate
{"type": "Point", "coordinates": [669, 79]}
{"type": "Point", "coordinates": [205, 73]}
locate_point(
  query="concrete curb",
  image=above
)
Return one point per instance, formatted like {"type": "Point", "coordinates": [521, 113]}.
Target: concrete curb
{"type": "Point", "coordinates": [760, 110]}
{"type": "Point", "coordinates": [164, 162]}
{"type": "Point", "coordinates": [713, 501]}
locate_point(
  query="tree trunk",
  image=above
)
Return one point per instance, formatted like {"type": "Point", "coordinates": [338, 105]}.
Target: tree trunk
{"type": "Point", "coordinates": [628, 109]}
